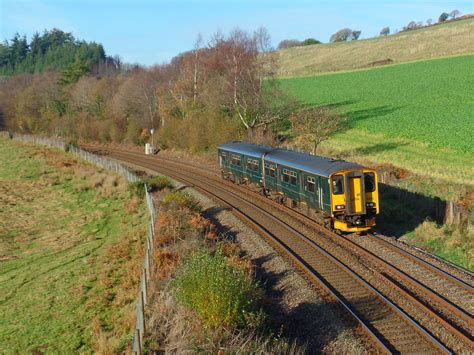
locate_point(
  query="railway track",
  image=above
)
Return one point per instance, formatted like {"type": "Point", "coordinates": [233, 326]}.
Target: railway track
{"type": "Point", "coordinates": [335, 283]}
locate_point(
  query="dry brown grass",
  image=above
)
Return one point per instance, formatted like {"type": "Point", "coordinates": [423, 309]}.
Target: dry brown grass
{"type": "Point", "coordinates": [428, 43]}
{"type": "Point", "coordinates": [177, 330]}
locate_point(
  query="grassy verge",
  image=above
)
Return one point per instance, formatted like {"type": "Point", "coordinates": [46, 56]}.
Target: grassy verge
{"type": "Point", "coordinates": [70, 253]}
{"type": "Point", "coordinates": [450, 243]}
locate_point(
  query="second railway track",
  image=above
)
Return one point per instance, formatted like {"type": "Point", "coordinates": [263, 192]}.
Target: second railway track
{"type": "Point", "coordinates": [390, 334]}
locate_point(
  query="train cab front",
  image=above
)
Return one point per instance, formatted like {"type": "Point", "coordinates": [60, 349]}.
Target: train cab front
{"type": "Point", "coordinates": [354, 200]}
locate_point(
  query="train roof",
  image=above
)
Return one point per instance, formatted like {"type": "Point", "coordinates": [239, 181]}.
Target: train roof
{"type": "Point", "coordinates": [253, 150]}
{"type": "Point", "coordinates": [310, 163]}
{"type": "Point", "coordinates": [301, 161]}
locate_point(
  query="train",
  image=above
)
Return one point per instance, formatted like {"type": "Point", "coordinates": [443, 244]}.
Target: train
{"type": "Point", "coordinates": [342, 196]}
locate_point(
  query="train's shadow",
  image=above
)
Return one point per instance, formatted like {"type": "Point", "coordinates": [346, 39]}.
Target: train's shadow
{"type": "Point", "coordinates": [401, 211]}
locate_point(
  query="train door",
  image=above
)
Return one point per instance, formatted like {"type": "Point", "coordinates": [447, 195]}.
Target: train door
{"type": "Point", "coordinates": [290, 183]}
{"type": "Point", "coordinates": [222, 159]}
{"type": "Point", "coordinates": [325, 194]}
{"type": "Point", "coordinates": [355, 193]}
{"type": "Point", "coordinates": [311, 190]}
{"type": "Point", "coordinates": [270, 175]}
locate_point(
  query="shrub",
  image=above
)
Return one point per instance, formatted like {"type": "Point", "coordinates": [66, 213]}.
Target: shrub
{"type": "Point", "coordinates": [159, 183]}
{"type": "Point", "coordinates": [219, 293]}
{"type": "Point", "coordinates": [310, 41]}
{"type": "Point", "coordinates": [180, 198]}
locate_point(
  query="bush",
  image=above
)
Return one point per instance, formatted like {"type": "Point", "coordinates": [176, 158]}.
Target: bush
{"type": "Point", "coordinates": [159, 183]}
{"type": "Point", "coordinates": [219, 293]}
{"type": "Point", "coordinates": [310, 41]}
{"type": "Point", "coordinates": [180, 198]}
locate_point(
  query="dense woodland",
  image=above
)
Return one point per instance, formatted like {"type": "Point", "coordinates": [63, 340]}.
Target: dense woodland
{"type": "Point", "coordinates": [222, 89]}
{"type": "Point", "coordinates": [53, 49]}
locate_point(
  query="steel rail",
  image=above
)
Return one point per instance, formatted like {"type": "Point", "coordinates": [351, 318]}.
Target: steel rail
{"type": "Point", "coordinates": [396, 308]}
{"type": "Point", "coordinates": [469, 288]}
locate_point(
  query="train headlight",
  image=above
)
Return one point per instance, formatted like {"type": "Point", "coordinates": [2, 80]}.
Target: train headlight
{"type": "Point", "coordinates": [340, 207]}
{"type": "Point", "coordinates": [370, 204]}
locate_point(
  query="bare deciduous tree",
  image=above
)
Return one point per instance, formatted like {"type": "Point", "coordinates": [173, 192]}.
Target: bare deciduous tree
{"type": "Point", "coordinates": [455, 13]}
{"type": "Point", "coordinates": [314, 125]}
{"type": "Point", "coordinates": [289, 43]}
{"type": "Point", "coordinates": [346, 34]}
{"type": "Point", "coordinates": [197, 48]}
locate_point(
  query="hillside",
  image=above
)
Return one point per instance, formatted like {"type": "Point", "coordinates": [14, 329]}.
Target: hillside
{"type": "Point", "coordinates": [415, 115]}
{"type": "Point", "coordinates": [453, 38]}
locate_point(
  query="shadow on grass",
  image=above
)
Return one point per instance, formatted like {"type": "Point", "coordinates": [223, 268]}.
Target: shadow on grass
{"type": "Point", "coordinates": [379, 111]}
{"type": "Point", "coordinates": [377, 148]}
{"type": "Point", "coordinates": [401, 211]}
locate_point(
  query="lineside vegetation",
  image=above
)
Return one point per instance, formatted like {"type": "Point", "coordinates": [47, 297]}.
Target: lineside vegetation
{"type": "Point", "coordinates": [203, 292]}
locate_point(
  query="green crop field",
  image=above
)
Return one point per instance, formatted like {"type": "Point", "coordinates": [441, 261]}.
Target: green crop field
{"type": "Point", "coordinates": [69, 237]}
{"type": "Point", "coordinates": [430, 101]}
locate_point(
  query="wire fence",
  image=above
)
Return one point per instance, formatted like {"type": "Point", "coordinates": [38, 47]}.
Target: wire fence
{"type": "Point", "coordinates": [114, 166]}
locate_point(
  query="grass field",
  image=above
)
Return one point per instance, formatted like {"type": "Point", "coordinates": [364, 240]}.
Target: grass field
{"type": "Point", "coordinates": [452, 38]}
{"type": "Point", "coordinates": [70, 253]}
{"type": "Point", "coordinates": [418, 116]}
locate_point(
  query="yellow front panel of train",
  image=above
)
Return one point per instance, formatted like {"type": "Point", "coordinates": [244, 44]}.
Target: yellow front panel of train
{"type": "Point", "coordinates": [355, 190]}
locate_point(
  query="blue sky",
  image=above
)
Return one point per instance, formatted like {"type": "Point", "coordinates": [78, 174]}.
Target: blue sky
{"type": "Point", "coordinates": [150, 32]}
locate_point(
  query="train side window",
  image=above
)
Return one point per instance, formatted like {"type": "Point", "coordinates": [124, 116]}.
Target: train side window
{"type": "Point", "coordinates": [337, 184]}
{"type": "Point", "coordinates": [235, 160]}
{"type": "Point", "coordinates": [369, 182]}
{"type": "Point", "coordinates": [289, 177]}
{"type": "Point", "coordinates": [311, 184]}
{"type": "Point", "coordinates": [270, 169]}
{"type": "Point", "coordinates": [252, 164]}
{"type": "Point", "coordinates": [293, 178]}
